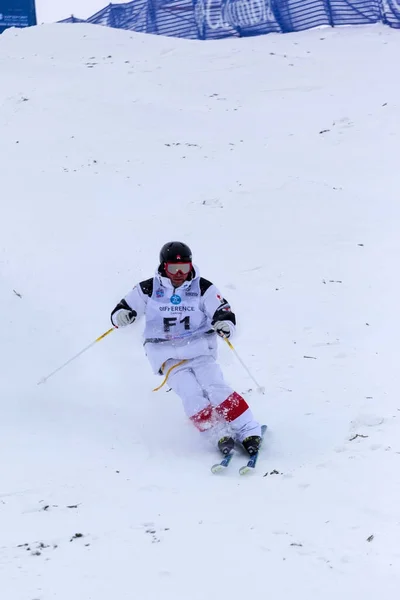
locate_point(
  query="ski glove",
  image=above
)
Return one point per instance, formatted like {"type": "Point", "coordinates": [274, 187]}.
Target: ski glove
{"type": "Point", "coordinates": [123, 317]}
{"type": "Point", "coordinates": [224, 328]}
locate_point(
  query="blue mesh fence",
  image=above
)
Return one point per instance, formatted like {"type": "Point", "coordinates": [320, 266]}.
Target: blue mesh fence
{"type": "Point", "coordinates": [215, 19]}
{"type": "Point", "coordinates": [391, 12]}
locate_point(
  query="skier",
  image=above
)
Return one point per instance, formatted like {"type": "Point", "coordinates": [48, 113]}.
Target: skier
{"type": "Point", "coordinates": [183, 313]}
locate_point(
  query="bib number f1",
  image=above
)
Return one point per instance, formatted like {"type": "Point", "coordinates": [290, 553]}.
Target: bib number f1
{"type": "Point", "coordinates": [172, 321]}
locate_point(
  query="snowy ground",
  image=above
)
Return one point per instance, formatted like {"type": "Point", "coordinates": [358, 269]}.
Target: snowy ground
{"type": "Point", "coordinates": [277, 160]}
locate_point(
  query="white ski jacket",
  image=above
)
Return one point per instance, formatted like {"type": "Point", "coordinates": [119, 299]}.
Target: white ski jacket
{"type": "Point", "coordinates": [178, 320]}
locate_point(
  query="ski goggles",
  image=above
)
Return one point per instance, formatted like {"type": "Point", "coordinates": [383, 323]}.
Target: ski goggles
{"type": "Point", "coordinates": [174, 268]}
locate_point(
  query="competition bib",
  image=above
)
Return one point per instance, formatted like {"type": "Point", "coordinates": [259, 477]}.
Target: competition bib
{"type": "Point", "coordinates": [174, 315]}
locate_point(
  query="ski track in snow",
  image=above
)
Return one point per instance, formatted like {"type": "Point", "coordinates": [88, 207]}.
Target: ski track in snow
{"type": "Point", "coordinates": [276, 159]}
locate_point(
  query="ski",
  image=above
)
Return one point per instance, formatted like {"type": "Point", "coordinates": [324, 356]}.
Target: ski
{"type": "Point", "coordinates": [217, 468]}
{"type": "Point", "coordinates": [251, 464]}
{"type": "Point", "coordinates": [225, 462]}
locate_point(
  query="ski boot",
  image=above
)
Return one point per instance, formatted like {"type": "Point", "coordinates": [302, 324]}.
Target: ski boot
{"type": "Point", "coordinates": [252, 444]}
{"type": "Point", "coordinates": [226, 445]}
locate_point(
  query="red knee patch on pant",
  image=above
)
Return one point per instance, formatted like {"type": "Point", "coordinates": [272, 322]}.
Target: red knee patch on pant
{"type": "Point", "coordinates": [231, 408]}
{"type": "Point", "coordinates": [202, 419]}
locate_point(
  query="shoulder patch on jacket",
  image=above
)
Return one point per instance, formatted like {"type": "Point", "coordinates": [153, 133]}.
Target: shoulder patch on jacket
{"type": "Point", "coordinates": [204, 285]}
{"type": "Point", "coordinates": [147, 287]}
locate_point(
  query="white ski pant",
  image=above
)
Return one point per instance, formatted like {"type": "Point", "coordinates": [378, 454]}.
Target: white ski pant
{"type": "Point", "coordinates": [210, 403]}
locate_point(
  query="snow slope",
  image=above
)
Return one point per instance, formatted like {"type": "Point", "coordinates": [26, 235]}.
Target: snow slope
{"type": "Point", "coordinates": [276, 159]}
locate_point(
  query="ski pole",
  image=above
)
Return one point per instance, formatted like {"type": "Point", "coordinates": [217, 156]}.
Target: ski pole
{"type": "Point", "coordinates": [260, 388]}
{"type": "Point", "coordinates": [44, 379]}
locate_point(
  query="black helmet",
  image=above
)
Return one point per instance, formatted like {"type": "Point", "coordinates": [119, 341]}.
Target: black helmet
{"type": "Point", "coordinates": [175, 252]}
